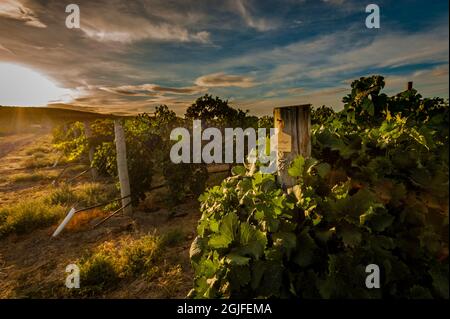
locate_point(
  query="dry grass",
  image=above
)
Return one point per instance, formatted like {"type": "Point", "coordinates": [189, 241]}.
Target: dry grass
{"type": "Point", "coordinates": [94, 193]}
{"type": "Point", "coordinates": [170, 280]}
{"type": "Point", "coordinates": [63, 195]}
{"type": "Point", "coordinates": [41, 162]}
{"type": "Point", "coordinates": [83, 195]}
{"type": "Point", "coordinates": [27, 216]}
{"type": "Point", "coordinates": [76, 169]}
{"type": "Point", "coordinates": [31, 177]}
{"type": "Point", "coordinates": [38, 149]}
{"type": "Point", "coordinates": [40, 156]}
{"type": "Point", "coordinates": [113, 261]}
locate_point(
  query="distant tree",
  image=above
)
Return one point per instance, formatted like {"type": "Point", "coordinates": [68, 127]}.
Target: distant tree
{"type": "Point", "coordinates": [321, 114]}
{"type": "Point", "coordinates": [266, 122]}
{"type": "Point", "coordinates": [164, 116]}
{"type": "Point", "coordinates": [216, 111]}
{"type": "Point", "coordinates": [208, 108]}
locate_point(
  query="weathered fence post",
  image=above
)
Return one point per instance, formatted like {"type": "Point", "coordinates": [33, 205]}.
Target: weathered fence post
{"type": "Point", "coordinates": [88, 133]}
{"type": "Point", "coordinates": [409, 86]}
{"type": "Point", "coordinates": [122, 166]}
{"type": "Point", "coordinates": [294, 138]}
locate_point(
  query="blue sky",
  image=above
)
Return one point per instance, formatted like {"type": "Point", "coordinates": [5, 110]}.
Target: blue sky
{"type": "Point", "coordinates": [129, 56]}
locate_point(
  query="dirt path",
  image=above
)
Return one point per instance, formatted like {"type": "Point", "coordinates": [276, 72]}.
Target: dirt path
{"type": "Point", "coordinates": [11, 143]}
{"type": "Point", "coordinates": [14, 153]}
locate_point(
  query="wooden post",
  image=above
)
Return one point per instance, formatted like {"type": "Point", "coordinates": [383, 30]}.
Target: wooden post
{"type": "Point", "coordinates": [122, 165]}
{"type": "Point", "coordinates": [410, 86]}
{"type": "Point", "coordinates": [88, 133]}
{"type": "Point", "coordinates": [294, 138]}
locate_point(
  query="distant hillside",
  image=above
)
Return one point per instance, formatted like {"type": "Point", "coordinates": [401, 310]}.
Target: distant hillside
{"type": "Point", "coordinates": [25, 119]}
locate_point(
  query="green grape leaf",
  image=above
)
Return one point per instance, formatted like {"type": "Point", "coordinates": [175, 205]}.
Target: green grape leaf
{"type": "Point", "coordinates": [285, 241]}
{"type": "Point", "coordinates": [323, 169]}
{"type": "Point", "coordinates": [252, 241]}
{"type": "Point", "coordinates": [227, 232]}
{"type": "Point", "coordinates": [377, 219]}
{"type": "Point", "coordinates": [236, 259]}
{"type": "Point", "coordinates": [296, 169]}
{"type": "Point", "coordinates": [351, 235]}
{"type": "Point", "coordinates": [196, 249]}
{"type": "Point", "coordinates": [306, 249]}
{"type": "Point", "coordinates": [239, 276]}
{"type": "Point", "coordinates": [238, 170]}
{"type": "Point", "coordinates": [439, 274]}
{"type": "Point", "coordinates": [257, 273]}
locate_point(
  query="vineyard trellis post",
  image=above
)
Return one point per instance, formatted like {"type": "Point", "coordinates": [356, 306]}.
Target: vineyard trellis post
{"type": "Point", "coordinates": [88, 133]}
{"type": "Point", "coordinates": [294, 138]}
{"type": "Point", "coordinates": [122, 166]}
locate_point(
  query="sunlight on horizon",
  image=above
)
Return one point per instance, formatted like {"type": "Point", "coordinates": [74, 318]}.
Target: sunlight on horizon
{"type": "Point", "coordinates": [22, 86]}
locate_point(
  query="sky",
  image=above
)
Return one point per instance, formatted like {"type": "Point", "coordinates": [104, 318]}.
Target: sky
{"type": "Point", "coordinates": [129, 56]}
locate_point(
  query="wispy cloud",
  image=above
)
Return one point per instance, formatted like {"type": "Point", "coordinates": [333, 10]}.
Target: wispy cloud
{"type": "Point", "coordinates": [335, 54]}
{"type": "Point", "coordinates": [136, 23]}
{"type": "Point", "coordinates": [295, 91]}
{"type": "Point", "coordinates": [334, 2]}
{"type": "Point", "coordinates": [432, 81]}
{"type": "Point", "coordinates": [14, 9]}
{"type": "Point", "coordinates": [143, 30]}
{"type": "Point", "coordinates": [258, 23]}
{"type": "Point", "coordinates": [330, 96]}
{"type": "Point", "coordinates": [224, 80]}
{"type": "Point", "coordinates": [2, 48]}
{"type": "Point", "coordinates": [152, 90]}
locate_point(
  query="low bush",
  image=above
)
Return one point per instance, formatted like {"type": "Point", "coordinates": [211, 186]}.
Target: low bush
{"type": "Point", "coordinates": [63, 195]}
{"type": "Point", "coordinates": [109, 263]}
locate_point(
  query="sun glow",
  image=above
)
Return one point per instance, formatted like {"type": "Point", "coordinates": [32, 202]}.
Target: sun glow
{"type": "Point", "coordinates": [21, 86]}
